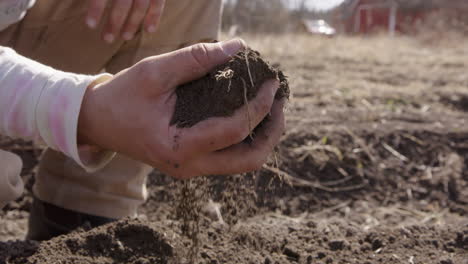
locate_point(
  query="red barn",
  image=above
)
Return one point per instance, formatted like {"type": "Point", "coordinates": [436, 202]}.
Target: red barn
{"type": "Point", "coordinates": [365, 16]}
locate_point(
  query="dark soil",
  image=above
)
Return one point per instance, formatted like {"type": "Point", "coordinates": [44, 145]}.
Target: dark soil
{"type": "Point", "coordinates": [117, 243]}
{"type": "Point", "coordinates": [373, 168]}
{"type": "Point", "coordinates": [224, 90]}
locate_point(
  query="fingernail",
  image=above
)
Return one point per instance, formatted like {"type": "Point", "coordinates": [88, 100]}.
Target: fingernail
{"type": "Point", "coordinates": [232, 47]}
{"type": "Point", "coordinates": [127, 36]}
{"type": "Point", "coordinates": [151, 29]}
{"type": "Point", "coordinates": [91, 22]}
{"type": "Point", "coordinates": [109, 38]}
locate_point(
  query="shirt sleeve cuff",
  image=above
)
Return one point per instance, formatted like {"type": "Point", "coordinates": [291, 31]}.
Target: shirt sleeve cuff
{"type": "Point", "coordinates": [57, 116]}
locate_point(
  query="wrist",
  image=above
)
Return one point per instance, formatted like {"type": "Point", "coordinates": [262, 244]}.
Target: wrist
{"type": "Point", "coordinates": [88, 119]}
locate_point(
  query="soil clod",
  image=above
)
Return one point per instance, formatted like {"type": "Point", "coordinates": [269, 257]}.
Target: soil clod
{"type": "Point", "coordinates": [225, 89]}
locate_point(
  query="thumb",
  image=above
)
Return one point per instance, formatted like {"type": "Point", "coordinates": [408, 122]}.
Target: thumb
{"type": "Point", "coordinates": [194, 62]}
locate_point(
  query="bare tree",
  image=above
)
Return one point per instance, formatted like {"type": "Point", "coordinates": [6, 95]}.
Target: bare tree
{"type": "Point", "coordinates": [257, 15]}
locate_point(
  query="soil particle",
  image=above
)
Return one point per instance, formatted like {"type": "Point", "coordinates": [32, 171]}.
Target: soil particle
{"type": "Point", "coordinates": [337, 245]}
{"type": "Point", "coordinates": [225, 89]}
{"type": "Point", "coordinates": [462, 240]}
{"type": "Point", "coordinates": [12, 250]}
{"type": "Point", "coordinates": [291, 254]}
{"type": "Point", "coordinates": [447, 261]}
{"type": "Point", "coordinates": [375, 242]}
{"type": "Point", "coordinates": [321, 255]}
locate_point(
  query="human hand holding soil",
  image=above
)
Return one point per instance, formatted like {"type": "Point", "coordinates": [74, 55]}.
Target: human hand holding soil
{"type": "Point", "coordinates": [132, 113]}
{"type": "Point", "coordinates": [126, 17]}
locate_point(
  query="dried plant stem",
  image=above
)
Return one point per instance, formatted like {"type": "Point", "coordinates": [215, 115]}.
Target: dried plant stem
{"type": "Point", "coordinates": [248, 68]}
{"type": "Point", "coordinates": [248, 109]}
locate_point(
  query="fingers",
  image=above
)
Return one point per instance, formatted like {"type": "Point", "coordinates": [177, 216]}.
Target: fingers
{"type": "Point", "coordinates": [245, 157]}
{"type": "Point", "coordinates": [153, 16]}
{"type": "Point", "coordinates": [137, 15]}
{"type": "Point", "coordinates": [126, 17]}
{"type": "Point", "coordinates": [219, 133]}
{"type": "Point", "coordinates": [117, 18]}
{"type": "Point", "coordinates": [191, 63]}
{"type": "Point", "coordinates": [95, 12]}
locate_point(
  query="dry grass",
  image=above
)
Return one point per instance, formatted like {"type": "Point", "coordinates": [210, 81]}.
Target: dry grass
{"type": "Point", "coordinates": [369, 74]}
{"type": "Point", "coordinates": [353, 62]}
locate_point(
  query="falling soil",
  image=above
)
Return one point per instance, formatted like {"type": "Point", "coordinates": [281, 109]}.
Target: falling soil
{"type": "Point", "coordinates": [192, 197]}
{"type": "Point", "coordinates": [225, 89]}
{"type": "Point", "coordinates": [218, 94]}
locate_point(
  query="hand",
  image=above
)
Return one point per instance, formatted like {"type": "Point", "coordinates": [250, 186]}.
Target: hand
{"type": "Point", "coordinates": [126, 17]}
{"type": "Point", "coordinates": [131, 114]}
{"type": "Point", "coordinates": [11, 184]}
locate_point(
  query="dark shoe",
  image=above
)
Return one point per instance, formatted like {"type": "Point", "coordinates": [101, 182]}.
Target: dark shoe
{"type": "Point", "coordinates": [47, 221]}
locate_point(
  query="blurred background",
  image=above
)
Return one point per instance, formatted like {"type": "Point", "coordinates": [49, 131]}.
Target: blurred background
{"type": "Point", "coordinates": [330, 17]}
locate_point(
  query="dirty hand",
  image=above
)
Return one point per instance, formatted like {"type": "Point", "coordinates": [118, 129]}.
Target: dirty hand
{"type": "Point", "coordinates": [126, 17]}
{"type": "Point", "coordinates": [131, 114]}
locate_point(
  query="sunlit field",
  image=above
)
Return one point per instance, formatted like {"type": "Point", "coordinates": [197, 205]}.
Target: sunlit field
{"type": "Point", "coordinates": [372, 167]}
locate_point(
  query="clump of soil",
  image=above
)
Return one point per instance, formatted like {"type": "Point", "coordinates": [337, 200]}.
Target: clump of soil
{"type": "Point", "coordinates": [225, 89]}
{"type": "Point", "coordinates": [128, 241]}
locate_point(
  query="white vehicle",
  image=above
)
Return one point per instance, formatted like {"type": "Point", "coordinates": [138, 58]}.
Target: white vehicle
{"type": "Point", "coordinates": [319, 27]}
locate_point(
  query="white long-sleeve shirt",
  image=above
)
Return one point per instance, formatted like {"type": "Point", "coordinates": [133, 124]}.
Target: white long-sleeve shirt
{"type": "Point", "coordinates": [12, 11]}
{"type": "Point", "coordinates": [38, 103]}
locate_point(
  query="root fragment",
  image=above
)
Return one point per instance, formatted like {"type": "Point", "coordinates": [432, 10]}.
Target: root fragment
{"type": "Point", "coordinates": [248, 69]}
{"type": "Point", "coordinates": [246, 101]}
{"type": "Point", "coordinates": [227, 74]}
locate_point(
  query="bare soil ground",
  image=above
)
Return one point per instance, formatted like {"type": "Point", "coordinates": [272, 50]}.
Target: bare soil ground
{"type": "Point", "coordinates": [372, 169]}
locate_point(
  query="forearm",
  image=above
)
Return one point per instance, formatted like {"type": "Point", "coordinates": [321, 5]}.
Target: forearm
{"type": "Point", "coordinates": [43, 104]}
